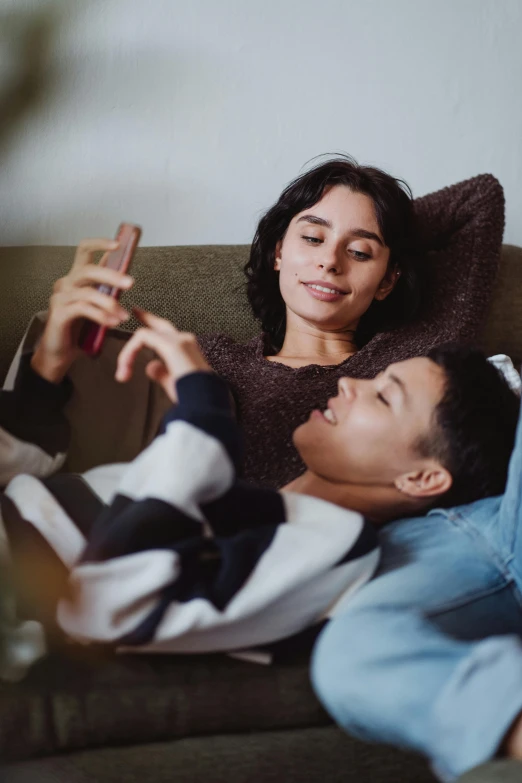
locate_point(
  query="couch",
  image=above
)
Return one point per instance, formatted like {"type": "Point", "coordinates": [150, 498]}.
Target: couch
{"type": "Point", "coordinates": [82, 715]}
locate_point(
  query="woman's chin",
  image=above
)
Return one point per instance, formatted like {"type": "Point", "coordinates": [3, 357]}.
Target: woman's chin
{"type": "Point", "coordinates": [327, 322]}
{"type": "Point", "coordinates": [326, 316]}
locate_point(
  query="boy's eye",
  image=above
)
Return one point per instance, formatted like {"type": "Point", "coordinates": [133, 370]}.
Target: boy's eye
{"type": "Point", "coordinates": [312, 240]}
{"type": "Point", "coordinates": [360, 256]}
{"type": "Point", "coordinates": [383, 399]}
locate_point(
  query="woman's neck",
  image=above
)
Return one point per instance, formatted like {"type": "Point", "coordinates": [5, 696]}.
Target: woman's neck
{"type": "Point", "coordinates": [305, 344]}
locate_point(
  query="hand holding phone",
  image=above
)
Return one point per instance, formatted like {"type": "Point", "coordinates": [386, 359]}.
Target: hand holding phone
{"type": "Point", "coordinates": [128, 236]}
{"type": "Point", "coordinates": [75, 298]}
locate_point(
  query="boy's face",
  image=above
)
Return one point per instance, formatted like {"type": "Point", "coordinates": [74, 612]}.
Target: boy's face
{"type": "Point", "coordinates": [369, 431]}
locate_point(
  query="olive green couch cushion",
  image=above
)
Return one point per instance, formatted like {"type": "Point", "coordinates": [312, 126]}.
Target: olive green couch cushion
{"type": "Point", "coordinates": [502, 771]}
{"type": "Point", "coordinates": [79, 699]}
{"type": "Point", "coordinates": [183, 718]}
{"type": "Point", "coordinates": [292, 756]}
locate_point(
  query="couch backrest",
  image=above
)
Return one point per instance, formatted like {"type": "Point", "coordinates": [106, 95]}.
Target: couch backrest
{"type": "Point", "coordinates": [503, 330]}
{"type": "Point", "coordinates": [202, 289]}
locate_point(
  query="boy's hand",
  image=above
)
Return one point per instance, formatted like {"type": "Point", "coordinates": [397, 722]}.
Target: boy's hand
{"type": "Point", "coordinates": [178, 353]}
{"type": "Point", "coordinates": [74, 298]}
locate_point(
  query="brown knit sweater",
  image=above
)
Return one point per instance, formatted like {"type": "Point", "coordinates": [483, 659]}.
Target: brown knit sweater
{"type": "Point", "coordinates": [461, 229]}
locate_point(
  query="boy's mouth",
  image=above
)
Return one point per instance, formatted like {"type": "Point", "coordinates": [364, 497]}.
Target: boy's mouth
{"type": "Point", "coordinates": [327, 415]}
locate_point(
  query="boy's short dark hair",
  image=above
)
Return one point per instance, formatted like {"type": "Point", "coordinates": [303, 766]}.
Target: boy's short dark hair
{"type": "Point", "coordinates": [475, 425]}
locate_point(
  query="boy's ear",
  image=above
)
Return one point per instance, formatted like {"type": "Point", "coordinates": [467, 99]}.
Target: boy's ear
{"type": "Point", "coordinates": [388, 283]}
{"type": "Point", "coordinates": [431, 481]}
{"type": "Point", "coordinates": [277, 262]}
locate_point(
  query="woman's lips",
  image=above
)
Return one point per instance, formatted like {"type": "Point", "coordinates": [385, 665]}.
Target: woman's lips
{"type": "Point", "coordinates": [323, 292]}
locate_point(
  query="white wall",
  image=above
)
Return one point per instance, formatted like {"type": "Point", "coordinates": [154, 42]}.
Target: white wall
{"type": "Point", "coordinates": [189, 117]}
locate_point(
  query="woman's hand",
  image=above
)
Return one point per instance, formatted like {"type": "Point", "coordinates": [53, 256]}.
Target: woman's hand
{"type": "Point", "coordinates": [178, 353]}
{"type": "Point", "coordinates": [75, 298]}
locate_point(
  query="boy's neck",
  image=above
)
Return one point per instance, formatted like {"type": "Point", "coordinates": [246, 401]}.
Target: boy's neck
{"type": "Point", "coordinates": [377, 503]}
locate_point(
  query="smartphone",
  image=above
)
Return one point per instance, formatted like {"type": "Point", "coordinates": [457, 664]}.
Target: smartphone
{"type": "Point", "coordinates": [92, 334]}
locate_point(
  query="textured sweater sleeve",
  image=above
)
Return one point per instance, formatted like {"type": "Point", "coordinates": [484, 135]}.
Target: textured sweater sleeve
{"type": "Point", "coordinates": [461, 228]}
{"type": "Point", "coordinates": [34, 432]}
{"type": "Point", "coordinates": [472, 210]}
{"type": "Point", "coordinates": [460, 239]}
{"type": "Point", "coordinates": [208, 344]}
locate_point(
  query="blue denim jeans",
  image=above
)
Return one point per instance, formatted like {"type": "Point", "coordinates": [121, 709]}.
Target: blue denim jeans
{"type": "Point", "coordinates": [428, 655]}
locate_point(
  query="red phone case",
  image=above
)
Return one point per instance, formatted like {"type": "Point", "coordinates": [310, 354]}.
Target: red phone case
{"type": "Point", "coordinates": [92, 334]}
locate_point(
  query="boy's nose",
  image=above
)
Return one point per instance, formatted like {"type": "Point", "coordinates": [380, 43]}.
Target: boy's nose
{"type": "Point", "coordinates": [347, 387]}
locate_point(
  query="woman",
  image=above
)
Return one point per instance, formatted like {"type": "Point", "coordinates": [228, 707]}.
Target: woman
{"type": "Point", "coordinates": [334, 278]}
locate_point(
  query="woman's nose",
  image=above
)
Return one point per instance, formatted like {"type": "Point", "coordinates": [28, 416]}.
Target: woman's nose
{"type": "Point", "coordinates": [329, 261]}
{"type": "Point", "coordinates": [328, 267]}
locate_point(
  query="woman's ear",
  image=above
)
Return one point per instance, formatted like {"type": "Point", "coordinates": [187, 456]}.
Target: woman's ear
{"type": "Point", "coordinates": [277, 262]}
{"type": "Point", "coordinates": [387, 284]}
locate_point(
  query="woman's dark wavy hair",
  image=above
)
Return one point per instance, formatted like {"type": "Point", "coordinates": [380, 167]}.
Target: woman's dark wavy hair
{"type": "Point", "coordinates": [392, 199]}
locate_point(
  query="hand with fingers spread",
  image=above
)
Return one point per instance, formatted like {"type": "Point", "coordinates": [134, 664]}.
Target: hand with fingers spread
{"type": "Point", "coordinates": [75, 298]}
{"type": "Point", "coordinates": [178, 353]}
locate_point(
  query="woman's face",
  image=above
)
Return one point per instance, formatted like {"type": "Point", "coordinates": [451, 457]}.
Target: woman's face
{"type": "Point", "coordinates": [333, 261]}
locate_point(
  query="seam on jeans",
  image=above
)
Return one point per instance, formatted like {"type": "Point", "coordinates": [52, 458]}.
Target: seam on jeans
{"type": "Point", "coordinates": [514, 584]}
{"type": "Point", "coordinates": [500, 565]}
{"type": "Point", "coordinates": [469, 599]}
{"type": "Point", "coordinates": [482, 543]}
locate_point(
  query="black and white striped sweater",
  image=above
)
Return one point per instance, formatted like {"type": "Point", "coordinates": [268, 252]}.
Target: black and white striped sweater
{"type": "Point", "coordinates": [172, 553]}
{"type": "Point", "coordinates": [34, 432]}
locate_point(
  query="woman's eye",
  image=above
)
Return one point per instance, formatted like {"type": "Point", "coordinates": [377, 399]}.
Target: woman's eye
{"type": "Point", "coordinates": [383, 399]}
{"type": "Point", "coordinates": [312, 240]}
{"type": "Point", "coordinates": [360, 256]}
